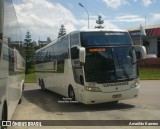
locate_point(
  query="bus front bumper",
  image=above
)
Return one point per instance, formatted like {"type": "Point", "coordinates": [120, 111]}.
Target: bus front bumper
{"type": "Point", "coordinates": [102, 97]}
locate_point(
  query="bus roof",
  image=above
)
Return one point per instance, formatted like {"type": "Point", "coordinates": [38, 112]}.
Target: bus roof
{"type": "Point", "coordinates": [98, 30]}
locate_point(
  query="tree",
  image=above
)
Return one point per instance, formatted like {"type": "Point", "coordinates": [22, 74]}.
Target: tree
{"type": "Point", "coordinates": [99, 22]}
{"type": "Point", "coordinates": [27, 38]}
{"type": "Point", "coordinates": [29, 52]}
{"type": "Point", "coordinates": [62, 31]}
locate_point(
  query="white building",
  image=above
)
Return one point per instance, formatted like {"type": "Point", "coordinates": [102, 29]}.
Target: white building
{"type": "Point", "coordinates": [151, 41]}
{"type": "Point", "coordinates": [44, 43]}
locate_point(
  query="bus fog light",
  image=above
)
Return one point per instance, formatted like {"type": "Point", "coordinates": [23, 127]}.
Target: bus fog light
{"type": "Point", "coordinates": [94, 89]}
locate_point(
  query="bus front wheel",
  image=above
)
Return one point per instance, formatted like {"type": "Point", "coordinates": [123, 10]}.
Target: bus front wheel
{"type": "Point", "coordinates": [20, 100]}
{"type": "Point", "coordinates": [71, 93]}
{"type": "Point", "coordinates": [4, 116]}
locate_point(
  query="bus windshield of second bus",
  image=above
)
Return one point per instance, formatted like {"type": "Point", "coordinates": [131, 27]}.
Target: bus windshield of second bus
{"type": "Point", "coordinates": [110, 57]}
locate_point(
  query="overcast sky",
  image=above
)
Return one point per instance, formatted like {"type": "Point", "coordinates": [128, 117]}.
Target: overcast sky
{"type": "Point", "coordinates": [43, 18]}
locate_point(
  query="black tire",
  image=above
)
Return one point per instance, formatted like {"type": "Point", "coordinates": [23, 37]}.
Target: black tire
{"type": "Point", "coordinates": [113, 102]}
{"type": "Point", "coordinates": [20, 101]}
{"type": "Point", "coordinates": [71, 93]}
{"type": "Point", "coordinates": [4, 117]}
{"type": "Point", "coordinates": [23, 88]}
{"type": "Point", "coordinates": [40, 82]}
{"type": "Point", "coordinates": [42, 85]}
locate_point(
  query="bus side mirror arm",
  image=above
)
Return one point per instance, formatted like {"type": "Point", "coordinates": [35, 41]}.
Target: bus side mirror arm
{"type": "Point", "coordinates": [82, 54]}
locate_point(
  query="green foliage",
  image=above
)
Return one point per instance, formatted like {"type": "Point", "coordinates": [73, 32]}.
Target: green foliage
{"type": "Point", "coordinates": [29, 52]}
{"type": "Point", "coordinates": [28, 37]}
{"type": "Point", "coordinates": [99, 22]}
{"type": "Point", "coordinates": [62, 31]}
{"type": "Point", "coordinates": [30, 78]}
{"type": "Point", "coordinates": [149, 73]}
{"type": "Point", "coordinates": [31, 75]}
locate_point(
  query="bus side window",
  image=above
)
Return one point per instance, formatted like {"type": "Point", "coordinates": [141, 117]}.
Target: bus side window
{"type": "Point", "coordinates": [74, 53]}
{"type": "Point", "coordinates": [74, 39]}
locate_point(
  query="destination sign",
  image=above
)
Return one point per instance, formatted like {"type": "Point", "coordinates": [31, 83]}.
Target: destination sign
{"type": "Point", "coordinates": [97, 49]}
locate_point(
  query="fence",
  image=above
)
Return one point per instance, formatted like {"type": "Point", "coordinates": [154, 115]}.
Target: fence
{"type": "Point", "coordinates": [150, 63]}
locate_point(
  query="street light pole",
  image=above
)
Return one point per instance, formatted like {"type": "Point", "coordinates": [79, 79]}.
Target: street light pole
{"type": "Point", "coordinates": [86, 11]}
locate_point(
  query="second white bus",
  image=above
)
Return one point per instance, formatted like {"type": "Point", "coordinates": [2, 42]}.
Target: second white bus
{"type": "Point", "coordinates": [92, 66]}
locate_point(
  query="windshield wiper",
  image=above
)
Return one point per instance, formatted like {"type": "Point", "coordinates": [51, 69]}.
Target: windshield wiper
{"type": "Point", "coordinates": [123, 67]}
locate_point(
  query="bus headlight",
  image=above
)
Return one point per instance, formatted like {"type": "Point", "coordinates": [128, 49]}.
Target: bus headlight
{"type": "Point", "coordinates": [135, 84]}
{"type": "Point", "coordinates": [94, 89]}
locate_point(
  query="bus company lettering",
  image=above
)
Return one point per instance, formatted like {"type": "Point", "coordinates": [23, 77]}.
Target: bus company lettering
{"type": "Point", "coordinates": [115, 84]}
{"type": "Point", "coordinates": [114, 33]}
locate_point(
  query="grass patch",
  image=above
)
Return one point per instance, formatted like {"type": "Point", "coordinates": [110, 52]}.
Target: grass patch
{"type": "Point", "coordinates": [145, 74]}
{"type": "Point", "coordinates": [149, 73]}
{"type": "Point", "coordinates": [30, 78]}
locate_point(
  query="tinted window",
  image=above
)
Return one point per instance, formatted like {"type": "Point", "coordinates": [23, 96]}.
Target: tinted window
{"type": "Point", "coordinates": [105, 38]}
{"type": "Point", "coordinates": [111, 64]}
{"type": "Point", "coordinates": [74, 39]}
{"type": "Point", "coordinates": [12, 32]}
{"type": "Point", "coordinates": [74, 53]}
{"type": "Point", "coordinates": [57, 51]}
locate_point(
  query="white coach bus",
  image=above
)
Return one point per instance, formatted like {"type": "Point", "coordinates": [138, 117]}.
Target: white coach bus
{"type": "Point", "coordinates": [92, 66]}
{"type": "Point", "coordinates": [12, 63]}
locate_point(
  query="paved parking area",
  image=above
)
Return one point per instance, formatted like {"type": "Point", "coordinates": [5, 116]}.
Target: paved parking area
{"type": "Point", "coordinates": [40, 105]}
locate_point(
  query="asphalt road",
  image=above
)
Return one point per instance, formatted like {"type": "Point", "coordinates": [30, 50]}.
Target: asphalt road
{"type": "Point", "coordinates": [40, 105]}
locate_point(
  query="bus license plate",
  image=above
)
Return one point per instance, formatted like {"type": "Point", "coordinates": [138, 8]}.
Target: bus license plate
{"type": "Point", "coordinates": [116, 96]}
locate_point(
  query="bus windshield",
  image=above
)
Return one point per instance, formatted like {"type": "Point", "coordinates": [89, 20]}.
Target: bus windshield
{"type": "Point", "coordinates": [109, 64]}
{"type": "Point", "coordinates": [105, 38]}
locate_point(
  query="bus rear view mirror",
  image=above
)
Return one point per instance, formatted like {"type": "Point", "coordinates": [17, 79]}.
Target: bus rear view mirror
{"type": "Point", "coordinates": [82, 54]}
{"type": "Point", "coordinates": [140, 52]}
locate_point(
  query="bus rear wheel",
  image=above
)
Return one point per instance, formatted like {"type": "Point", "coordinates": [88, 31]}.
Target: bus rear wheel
{"type": "Point", "coordinates": [42, 85]}
{"type": "Point", "coordinates": [112, 103]}
{"type": "Point", "coordinates": [39, 82]}
{"type": "Point", "coordinates": [71, 93]}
